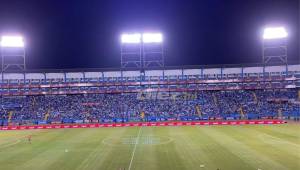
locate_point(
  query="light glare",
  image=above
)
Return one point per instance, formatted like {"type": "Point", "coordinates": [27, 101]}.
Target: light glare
{"type": "Point", "coordinates": [131, 38]}
{"type": "Point", "coordinates": [152, 38]}
{"type": "Point", "coordinates": [275, 33]}
{"type": "Point", "coordinates": [12, 41]}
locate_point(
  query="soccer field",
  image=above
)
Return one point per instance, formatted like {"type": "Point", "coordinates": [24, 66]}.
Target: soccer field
{"type": "Point", "coordinates": [248, 147]}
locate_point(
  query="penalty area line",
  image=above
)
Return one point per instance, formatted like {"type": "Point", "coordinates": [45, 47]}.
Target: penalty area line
{"type": "Point", "coordinates": [133, 152]}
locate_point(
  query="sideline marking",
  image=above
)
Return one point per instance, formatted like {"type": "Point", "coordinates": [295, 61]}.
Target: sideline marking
{"type": "Point", "coordinates": [133, 152]}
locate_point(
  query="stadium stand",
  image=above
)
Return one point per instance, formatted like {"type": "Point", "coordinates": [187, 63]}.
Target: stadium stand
{"type": "Point", "coordinates": [153, 95]}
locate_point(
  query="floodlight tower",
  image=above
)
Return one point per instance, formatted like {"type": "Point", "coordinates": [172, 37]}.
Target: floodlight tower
{"type": "Point", "coordinates": [275, 46]}
{"type": "Point", "coordinates": [12, 53]}
{"type": "Point", "coordinates": [131, 50]}
{"type": "Point", "coordinates": [153, 55]}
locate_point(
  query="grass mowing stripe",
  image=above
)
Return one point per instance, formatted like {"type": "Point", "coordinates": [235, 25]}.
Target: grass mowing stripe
{"type": "Point", "coordinates": [51, 154]}
{"type": "Point", "coordinates": [98, 154]}
{"type": "Point", "coordinates": [10, 156]}
{"type": "Point", "coordinates": [226, 147]}
{"type": "Point", "coordinates": [10, 144]}
{"type": "Point", "coordinates": [276, 132]}
{"type": "Point", "coordinates": [14, 142]}
{"type": "Point", "coordinates": [208, 151]}
{"type": "Point", "coordinates": [191, 150]}
{"type": "Point", "coordinates": [242, 150]}
{"type": "Point", "coordinates": [270, 145]}
{"type": "Point", "coordinates": [218, 154]}
{"type": "Point", "coordinates": [133, 152]}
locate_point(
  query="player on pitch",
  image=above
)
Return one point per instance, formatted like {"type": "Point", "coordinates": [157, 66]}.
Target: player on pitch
{"type": "Point", "coordinates": [29, 138]}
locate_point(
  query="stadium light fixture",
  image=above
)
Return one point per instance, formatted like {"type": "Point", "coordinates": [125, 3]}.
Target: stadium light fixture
{"type": "Point", "coordinates": [12, 41]}
{"type": "Point", "coordinates": [152, 38]}
{"type": "Point", "coordinates": [275, 33]}
{"type": "Point", "coordinates": [134, 38]}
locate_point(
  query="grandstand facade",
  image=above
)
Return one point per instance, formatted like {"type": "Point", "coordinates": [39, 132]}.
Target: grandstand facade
{"type": "Point", "coordinates": [188, 79]}
{"type": "Point", "coordinates": [198, 93]}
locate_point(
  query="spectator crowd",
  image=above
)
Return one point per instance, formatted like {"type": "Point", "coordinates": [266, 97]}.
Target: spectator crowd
{"type": "Point", "coordinates": [158, 106]}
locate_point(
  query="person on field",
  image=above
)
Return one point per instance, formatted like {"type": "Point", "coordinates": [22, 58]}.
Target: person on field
{"type": "Point", "coordinates": [29, 138]}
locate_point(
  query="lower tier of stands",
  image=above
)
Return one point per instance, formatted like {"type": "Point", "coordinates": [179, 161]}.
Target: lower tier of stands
{"type": "Point", "coordinates": [150, 107]}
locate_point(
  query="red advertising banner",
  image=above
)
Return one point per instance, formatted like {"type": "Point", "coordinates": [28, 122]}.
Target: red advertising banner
{"type": "Point", "coordinates": [130, 124]}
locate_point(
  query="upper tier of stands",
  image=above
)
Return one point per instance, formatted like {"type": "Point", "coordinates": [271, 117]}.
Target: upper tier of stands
{"type": "Point", "coordinates": [187, 79]}
{"type": "Point", "coordinates": [151, 75]}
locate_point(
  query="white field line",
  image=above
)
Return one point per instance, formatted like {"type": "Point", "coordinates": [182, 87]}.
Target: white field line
{"type": "Point", "coordinates": [10, 144]}
{"type": "Point", "coordinates": [2, 146]}
{"type": "Point", "coordinates": [133, 152]}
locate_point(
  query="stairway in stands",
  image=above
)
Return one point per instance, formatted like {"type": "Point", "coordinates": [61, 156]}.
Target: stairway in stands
{"type": "Point", "coordinates": [215, 99]}
{"type": "Point", "coordinates": [279, 114]}
{"type": "Point", "coordinates": [255, 97]}
{"type": "Point", "coordinates": [198, 110]}
{"type": "Point", "coordinates": [242, 113]}
{"type": "Point", "coordinates": [10, 113]}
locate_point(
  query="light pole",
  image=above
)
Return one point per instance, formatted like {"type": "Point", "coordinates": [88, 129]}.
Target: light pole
{"type": "Point", "coordinates": [12, 53]}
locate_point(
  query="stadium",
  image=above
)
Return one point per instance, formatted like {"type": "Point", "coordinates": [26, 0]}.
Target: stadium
{"type": "Point", "coordinates": [147, 115]}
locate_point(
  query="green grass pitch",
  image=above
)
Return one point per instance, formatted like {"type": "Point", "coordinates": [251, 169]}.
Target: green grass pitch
{"type": "Point", "coordinates": [248, 147]}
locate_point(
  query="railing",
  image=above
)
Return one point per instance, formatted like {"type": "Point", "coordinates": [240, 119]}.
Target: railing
{"type": "Point", "coordinates": [158, 82]}
{"type": "Point", "coordinates": [8, 88]}
{"type": "Point", "coordinates": [124, 90]}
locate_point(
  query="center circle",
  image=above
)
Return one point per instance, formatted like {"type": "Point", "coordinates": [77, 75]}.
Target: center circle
{"type": "Point", "coordinates": [141, 140]}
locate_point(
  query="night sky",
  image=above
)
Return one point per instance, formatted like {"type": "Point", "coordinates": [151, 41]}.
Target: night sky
{"type": "Point", "coordinates": [85, 33]}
